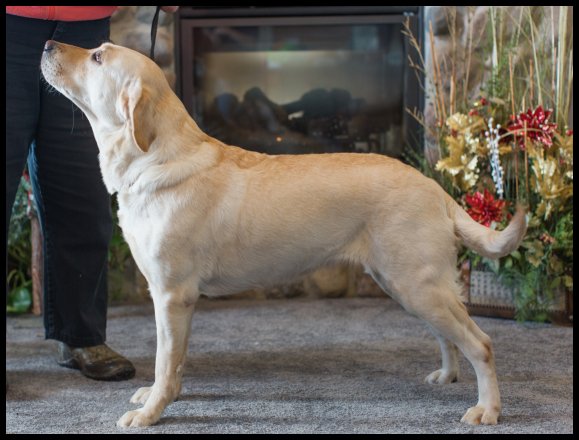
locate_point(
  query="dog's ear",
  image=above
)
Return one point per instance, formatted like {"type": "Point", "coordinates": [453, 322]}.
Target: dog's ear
{"type": "Point", "coordinates": [136, 108]}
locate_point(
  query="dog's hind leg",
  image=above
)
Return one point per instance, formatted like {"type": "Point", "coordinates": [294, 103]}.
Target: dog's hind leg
{"type": "Point", "coordinates": [449, 371]}
{"type": "Point", "coordinates": [435, 299]}
{"type": "Point", "coordinates": [173, 318]}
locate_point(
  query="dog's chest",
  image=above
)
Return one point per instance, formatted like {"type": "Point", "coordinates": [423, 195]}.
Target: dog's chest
{"type": "Point", "coordinates": [142, 230]}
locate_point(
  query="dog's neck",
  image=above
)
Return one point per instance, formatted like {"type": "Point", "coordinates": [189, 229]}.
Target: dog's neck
{"type": "Point", "coordinates": [128, 170]}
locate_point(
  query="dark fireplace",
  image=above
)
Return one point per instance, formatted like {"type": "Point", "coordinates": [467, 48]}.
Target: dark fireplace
{"type": "Point", "coordinates": [301, 79]}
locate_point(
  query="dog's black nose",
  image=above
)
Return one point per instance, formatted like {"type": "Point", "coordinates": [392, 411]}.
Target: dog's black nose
{"type": "Point", "coordinates": [49, 45]}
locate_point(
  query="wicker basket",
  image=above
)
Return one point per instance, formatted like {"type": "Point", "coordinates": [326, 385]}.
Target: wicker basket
{"type": "Point", "coordinates": [486, 296]}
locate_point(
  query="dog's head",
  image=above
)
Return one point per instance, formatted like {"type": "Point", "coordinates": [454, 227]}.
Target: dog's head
{"type": "Point", "coordinates": [117, 88]}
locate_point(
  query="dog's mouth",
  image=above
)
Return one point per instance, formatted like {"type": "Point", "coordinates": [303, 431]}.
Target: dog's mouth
{"type": "Point", "coordinates": [52, 70]}
{"type": "Point", "coordinates": [53, 73]}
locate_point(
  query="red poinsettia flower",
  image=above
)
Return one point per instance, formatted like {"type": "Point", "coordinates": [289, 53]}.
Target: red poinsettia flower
{"type": "Point", "coordinates": [484, 208]}
{"type": "Point", "coordinates": [538, 126]}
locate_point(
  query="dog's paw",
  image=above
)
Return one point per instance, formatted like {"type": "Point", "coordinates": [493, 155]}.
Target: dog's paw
{"type": "Point", "coordinates": [478, 415]}
{"type": "Point", "coordinates": [441, 377]}
{"type": "Point", "coordinates": [136, 419]}
{"type": "Point", "coordinates": [141, 395]}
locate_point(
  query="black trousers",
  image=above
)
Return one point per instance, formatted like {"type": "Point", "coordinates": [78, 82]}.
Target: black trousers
{"type": "Point", "coordinates": [45, 128]}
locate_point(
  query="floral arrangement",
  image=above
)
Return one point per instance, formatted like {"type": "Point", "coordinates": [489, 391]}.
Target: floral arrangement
{"type": "Point", "coordinates": [496, 151]}
{"type": "Point", "coordinates": [494, 166]}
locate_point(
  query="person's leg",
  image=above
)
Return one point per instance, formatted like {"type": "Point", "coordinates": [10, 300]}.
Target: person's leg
{"type": "Point", "coordinates": [75, 214]}
{"type": "Point", "coordinates": [74, 208]}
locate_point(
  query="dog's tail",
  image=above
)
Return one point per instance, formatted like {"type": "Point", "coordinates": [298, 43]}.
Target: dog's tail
{"type": "Point", "coordinates": [485, 241]}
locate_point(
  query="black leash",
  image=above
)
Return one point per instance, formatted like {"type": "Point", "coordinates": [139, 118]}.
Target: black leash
{"type": "Point", "coordinates": [154, 32]}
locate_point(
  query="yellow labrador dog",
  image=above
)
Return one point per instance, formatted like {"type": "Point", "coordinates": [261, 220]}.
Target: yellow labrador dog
{"type": "Point", "coordinates": [204, 217]}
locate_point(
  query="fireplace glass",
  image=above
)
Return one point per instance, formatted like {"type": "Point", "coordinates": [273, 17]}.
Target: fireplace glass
{"type": "Point", "coordinates": [309, 84]}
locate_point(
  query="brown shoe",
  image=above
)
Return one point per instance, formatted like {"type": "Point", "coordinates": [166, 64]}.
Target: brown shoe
{"type": "Point", "coordinates": [98, 362]}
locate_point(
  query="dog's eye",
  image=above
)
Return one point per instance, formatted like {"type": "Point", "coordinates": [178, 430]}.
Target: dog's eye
{"type": "Point", "coordinates": [97, 56]}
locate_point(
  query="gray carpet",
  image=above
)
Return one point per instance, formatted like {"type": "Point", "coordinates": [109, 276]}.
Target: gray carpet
{"type": "Point", "coordinates": [295, 366]}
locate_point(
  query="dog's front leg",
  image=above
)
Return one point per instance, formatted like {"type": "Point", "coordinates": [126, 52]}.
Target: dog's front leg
{"type": "Point", "coordinates": [173, 317]}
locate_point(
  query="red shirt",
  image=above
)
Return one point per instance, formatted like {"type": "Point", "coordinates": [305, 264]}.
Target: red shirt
{"type": "Point", "coordinates": [62, 13]}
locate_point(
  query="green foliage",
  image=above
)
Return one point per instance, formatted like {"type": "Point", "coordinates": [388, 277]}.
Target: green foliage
{"type": "Point", "coordinates": [19, 282]}
{"type": "Point", "coordinates": [19, 297]}
{"type": "Point", "coordinates": [19, 254]}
